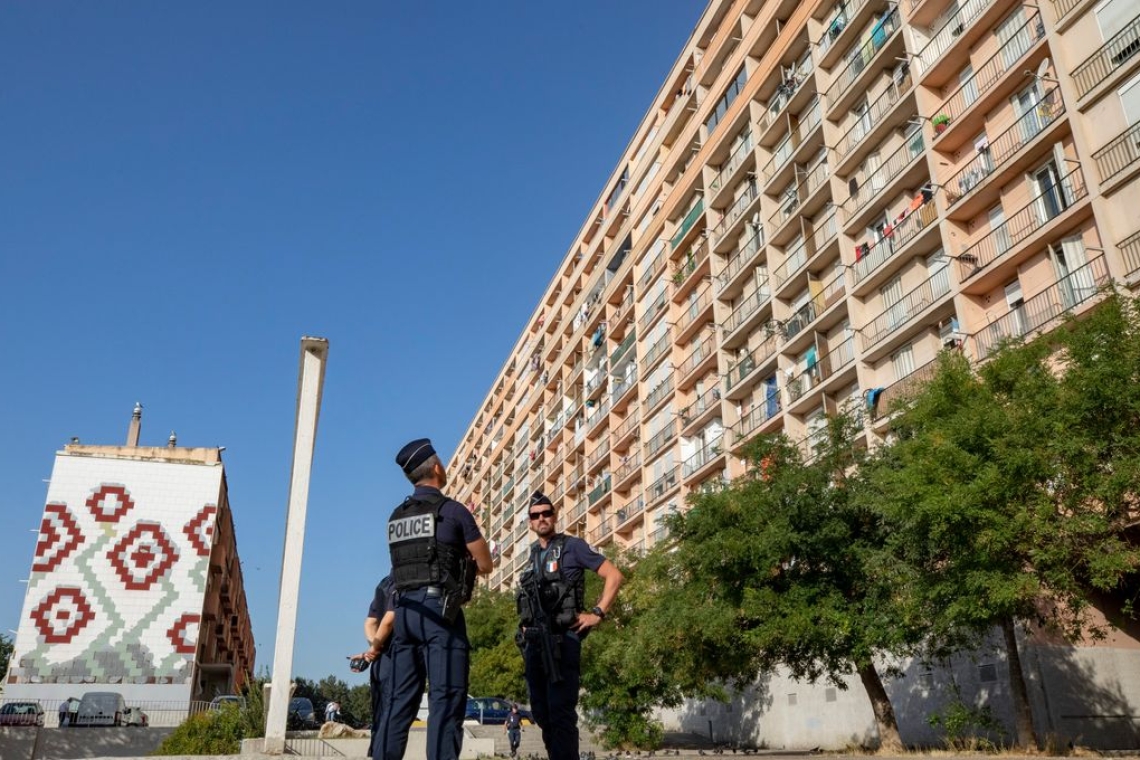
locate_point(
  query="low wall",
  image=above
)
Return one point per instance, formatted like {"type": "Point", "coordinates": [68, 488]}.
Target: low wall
{"type": "Point", "coordinates": [26, 743]}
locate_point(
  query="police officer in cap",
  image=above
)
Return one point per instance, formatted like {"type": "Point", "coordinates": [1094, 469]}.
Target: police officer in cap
{"type": "Point", "coordinates": [436, 549]}
{"type": "Point", "coordinates": [554, 621]}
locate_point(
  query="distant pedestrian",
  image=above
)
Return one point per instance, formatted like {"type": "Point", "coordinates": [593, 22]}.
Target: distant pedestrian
{"type": "Point", "coordinates": [72, 710]}
{"type": "Point", "coordinates": [513, 727]}
{"type": "Point", "coordinates": [332, 712]}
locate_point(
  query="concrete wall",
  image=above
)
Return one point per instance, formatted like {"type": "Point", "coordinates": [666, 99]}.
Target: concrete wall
{"type": "Point", "coordinates": [67, 743]}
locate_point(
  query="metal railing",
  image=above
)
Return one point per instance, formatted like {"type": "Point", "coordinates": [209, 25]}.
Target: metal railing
{"type": "Point", "coordinates": [1064, 6]}
{"type": "Point", "coordinates": [705, 402]}
{"type": "Point", "coordinates": [1119, 154]}
{"type": "Point", "coordinates": [865, 123]}
{"type": "Point", "coordinates": [1067, 293]}
{"type": "Point", "coordinates": [791, 83]}
{"type": "Point", "coordinates": [761, 413]}
{"type": "Point", "coordinates": [896, 315]}
{"type": "Point", "coordinates": [795, 138]}
{"type": "Point", "coordinates": [621, 386]}
{"type": "Point", "coordinates": [736, 210]}
{"type": "Point", "coordinates": [732, 163]}
{"type": "Point", "coordinates": [903, 387]}
{"type": "Point", "coordinates": [688, 222]}
{"type": "Point", "coordinates": [662, 486]}
{"type": "Point", "coordinates": [703, 456]}
{"type": "Point", "coordinates": [630, 462]}
{"type": "Point", "coordinates": [798, 191]}
{"type": "Point", "coordinates": [656, 352]}
{"type": "Point", "coordinates": [631, 509]}
{"type": "Point", "coordinates": [876, 181]}
{"type": "Point", "coordinates": [748, 363]}
{"type": "Point", "coordinates": [652, 270]}
{"type": "Point", "coordinates": [658, 394]}
{"type": "Point", "coordinates": [690, 262]}
{"type": "Point", "coordinates": [693, 309]}
{"type": "Point", "coordinates": [838, 24]}
{"type": "Point", "coordinates": [743, 258]}
{"type": "Point", "coordinates": [804, 316]}
{"type": "Point", "coordinates": [628, 425]}
{"type": "Point", "coordinates": [1027, 220]}
{"type": "Point", "coordinates": [950, 30]}
{"type": "Point", "coordinates": [661, 438]}
{"type": "Point", "coordinates": [900, 234]}
{"type": "Point", "coordinates": [992, 71]}
{"type": "Point", "coordinates": [795, 259]}
{"type": "Point", "coordinates": [822, 369]}
{"type": "Point", "coordinates": [653, 310]}
{"type": "Point", "coordinates": [861, 56]}
{"type": "Point", "coordinates": [1130, 249]}
{"type": "Point", "coordinates": [704, 350]}
{"type": "Point", "coordinates": [623, 347]}
{"type": "Point", "coordinates": [1108, 57]}
{"type": "Point", "coordinates": [600, 453]}
{"type": "Point", "coordinates": [599, 491]}
{"type": "Point", "coordinates": [748, 306]}
{"type": "Point", "coordinates": [1005, 146]}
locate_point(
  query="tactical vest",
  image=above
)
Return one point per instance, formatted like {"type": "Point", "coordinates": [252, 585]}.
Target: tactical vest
{"type": "Point", "coordinates": [418, 558]}
{"type": "Point", "coordinates": [544, 584]}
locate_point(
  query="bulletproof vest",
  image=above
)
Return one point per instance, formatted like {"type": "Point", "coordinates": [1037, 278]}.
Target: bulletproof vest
{"type": "Point", "coordinates": [546, 596]}
{"type": "Point", "coordinates": [418, 558]}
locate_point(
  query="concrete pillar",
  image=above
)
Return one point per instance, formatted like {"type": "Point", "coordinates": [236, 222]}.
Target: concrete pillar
{"type": "Point", "coordinates": [314, 352]}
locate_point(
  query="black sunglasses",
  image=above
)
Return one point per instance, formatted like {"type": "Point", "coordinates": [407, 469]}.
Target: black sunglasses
{"type": "Point", "coordinates": [543, 513]}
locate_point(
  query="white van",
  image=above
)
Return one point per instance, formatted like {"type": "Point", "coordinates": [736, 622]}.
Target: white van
{"type": "Point", "coordinates": [101, 708]}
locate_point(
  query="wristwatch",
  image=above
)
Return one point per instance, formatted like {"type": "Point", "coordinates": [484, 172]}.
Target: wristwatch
{"type": "Point", "coordinates": [599, 612]}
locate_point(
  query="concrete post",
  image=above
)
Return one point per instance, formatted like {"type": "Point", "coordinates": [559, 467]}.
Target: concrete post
{"type": "Point", "coordinates": [314, 352]}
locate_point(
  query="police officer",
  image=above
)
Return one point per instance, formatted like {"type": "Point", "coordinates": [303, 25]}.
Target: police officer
{"type": "Point", "coordinates": [436, 549]}
{"type": "Point", "coordinates": [554, 622]}
{"type": "Point", "coordinates": [378, 627]}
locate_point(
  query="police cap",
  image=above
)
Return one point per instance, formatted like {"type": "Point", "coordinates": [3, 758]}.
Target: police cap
{"type": "Point", "coordinates": [414, 454]}
{"type": "Point", "coordinates": [538, 497]}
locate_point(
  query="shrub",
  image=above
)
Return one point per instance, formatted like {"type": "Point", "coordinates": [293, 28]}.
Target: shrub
{"type": "Point", "coordinates": [207, 733]}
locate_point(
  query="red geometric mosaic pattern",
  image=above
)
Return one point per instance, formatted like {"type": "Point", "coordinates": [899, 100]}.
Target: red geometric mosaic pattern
{"type": "Point", "coordinates": [143, 556]}
{"type": "Point", "coordinates": [200, 530]}
{"type": "Point", "coordinates": [180, 635]}
{"type": "Point", "coordinates": [109, 503]}
{"type": "Point", "coordinates": [62, 614]}
{"type": "Point", "coordinates": [59, 535]}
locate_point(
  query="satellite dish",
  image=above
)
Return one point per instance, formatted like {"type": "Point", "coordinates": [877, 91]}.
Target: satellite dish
{"type": "Point", "coordinates": [1043, 67]}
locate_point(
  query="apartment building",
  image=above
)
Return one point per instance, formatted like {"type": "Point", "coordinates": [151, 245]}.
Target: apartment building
{"type": "Point", "coordinates": [821, 197]}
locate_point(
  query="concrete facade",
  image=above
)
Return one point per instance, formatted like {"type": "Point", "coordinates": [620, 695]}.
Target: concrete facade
{"type": "Point", "coordinates": [135, 584]}
{"type": "Point", "coordinates": [820, 198]}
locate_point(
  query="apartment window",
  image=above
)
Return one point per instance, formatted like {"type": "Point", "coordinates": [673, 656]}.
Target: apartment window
{"type": "Point", "coordinates": [726, 100]}
{"type": "Point", "coordinates": [862, 115]}
{"type": "Point", "coordinates": [1016, 304]}
{"type": "Point", "coordinates": [1050, 193]}
{"type": "Point", "coordinates": [1114, 15]}
{"type": "Point", "coordinates": [969, 86]}
{"type": "Point", "coordinates": [1005, 32]}
{"type": "Point", "coordinates": [1130, 100]}
{"type": "Point", "coordinates": [1073, 276]}
{"type": "Point", "coordinates": [892, 294]}
{"type": "Point", "coordinates": [783, 152]}
{"type": "Point", "coordinates": [902, 362]}
{"type": "Point", "coordinates": [936, 269]}
{"type": "Point", "coordinates": [982, 146]}
{"type": "Point", "coordinates": [871, 172]}
{"type": "Point", "coordinates": [1025, 105]}
{"type": "Point", "coordinates": [1002, 242]}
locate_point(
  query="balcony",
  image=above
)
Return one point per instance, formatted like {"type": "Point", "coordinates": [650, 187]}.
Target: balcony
{"type": "Point", "coordinates": [691, 315]}
{"type": "Point", "coordinates": [687, 223]}
{"type": "Point", "coordinates": [659, 488]}
{"type": "Point", "coordinates": [1022, 225]}
{"type": "Point", "coordinates": [871, 259]}
{"type": "Point", "coordinates": [1079, 287]}
{"type": "Point", "coordinates": [968, 104]}
{"type": "Point", "coordinates": [1062, 7]}
{"type": "Point", "coordinates": [602, 531]}
{"type": "Point", "coordinates": [998, 152]}
{"type": "Point", "coordinates": [794, 262]}
{"type": "Point", "coordinates": [692, 264]}
{"type": "Point", "coordinates": [734, 385]}
{"type": "Point", "coordinates": [706, 407]}
{"type": "Point", "coordinates": [663, 391]}
{"type": "Point", "coordinates": [630, 466]}
{"type": "Point", "coordinates": [653, 310]}
{"type": "Point", "coordinates": [598, 456]}
{"type": "Point", "coordinates": [881, 181]}
{"type": "Point", "coordinates": [803, 317]}
{"type": "Point", "coordinates": [799, 140]}
{"type": "Point", "coordinates": [1130, 250]}
{"type": "Point", "coordinates": [599, 491]}
{"type": "Point", "coordinates": [951, 29]}
{"type": "Point", "coordinates": [735, 212]}
{"type": "Point", "coordinates": [657, 443]}
{"type": "Point", "coordinates": [841, 90]}
{"type": "Point", "coordinates": [851, 15]}
{"type": "Point", "coordinates": [745, 314]}
{"type": "Point", "coordinates": [1120, 154]}
{"type": "Point", "coordinates": [739, 263]}
{"type": "Point", "coordinates": [818, 372]}
{"type": "Point", "coordinates": [896, 316]}
{"type": "Point", "coordinates": [654, 268]}
{"type": "Point", "coordinates": [620, 352]}
{"type": "Point", "coordinates": [790, 86]}
{"type": "Point", "coordinates": [794, 199]}
{"type": "Point", "coordinates": [620, 389]}
{"type": "Point", "coordinates": [656, 353]}
{"type": "Point", "coordinates": [761, 413]}
{"type": "Point", "coordinates": [903, 388]}
{"type": "Point", "coordinates": [1108, 58]}
{"type": "Point", "coordinates": [627, 428]}
{"type": "Point", "coordinates": [876, 122]}
{"type": "Point", "coordinates": [630, 510]}
{"type": "Point", "coordinates": [705, 455]}
{"type": "Point", "coordinates": [731, 164]}
{"type": "Point", "coordinates": [699, 357]}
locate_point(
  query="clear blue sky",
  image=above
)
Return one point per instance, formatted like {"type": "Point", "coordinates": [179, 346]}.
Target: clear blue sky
{"type": "Point", "coordinates": [187, 189]}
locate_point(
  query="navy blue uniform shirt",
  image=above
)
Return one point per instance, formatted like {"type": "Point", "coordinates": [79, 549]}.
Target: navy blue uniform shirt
{"type": "Point", "coordinates": [383, 600]}
{"type": "Point", "coordinates": [577, 557]}
{"type": "Point", "coordinates": [457, 526]}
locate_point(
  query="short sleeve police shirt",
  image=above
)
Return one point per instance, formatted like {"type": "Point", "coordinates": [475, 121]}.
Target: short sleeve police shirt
{"type": "Point", "coordinates": [457, 526]}
{"type": "Point", "coordinates": [578, 557]}
{"type": "Point", "coordinates": [383, 600]}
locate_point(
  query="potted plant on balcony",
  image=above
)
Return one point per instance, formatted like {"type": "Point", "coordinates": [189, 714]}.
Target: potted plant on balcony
{"type": "Point", "coordinates": [941, 122]}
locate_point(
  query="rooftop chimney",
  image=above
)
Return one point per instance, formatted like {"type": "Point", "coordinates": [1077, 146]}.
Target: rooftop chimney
{"type": "Point", "coordinates": [135, 426]}
{"type": "Point", "coordinates": [172, 441]}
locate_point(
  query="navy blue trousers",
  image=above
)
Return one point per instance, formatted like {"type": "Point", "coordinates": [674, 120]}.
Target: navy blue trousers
{"type": "Point", "coordinates": [555, 705]}
{"type": "Point", "coordinates": [424, 647]}
{"type": "Point", "coordinates": [379, 674]}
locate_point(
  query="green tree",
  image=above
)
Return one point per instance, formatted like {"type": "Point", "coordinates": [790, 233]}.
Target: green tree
{"type": "Point", "coordinates": [1010, 486]}
{"type": "Point", "coordinates": [496, 665]}
{"type": "Point", "coordinates": [6, 649]}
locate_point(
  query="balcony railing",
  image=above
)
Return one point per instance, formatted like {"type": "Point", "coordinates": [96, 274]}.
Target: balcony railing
{"type": "Point", "coordinates": [688, 222]}
{"type": "Point", "coordinates": [810, 121]}
{"type": "Point", "coordinates": [600, 453]}
{"type": "Point", "coordinates": [1130, 249]}
{"type": "Point", "coordinates": [704, 350]}
{"type": "Point", "coordinates": [994, 155]}
{"type": "Point", "coordinates": [904, 387]}
{"type": "Point", "coordinates": [1022, 224]}
{"type": "Point", "coordinates": [1072, 290]}
{"type": "Point", "coordinates": [662, 486]}
{"type": "Point", "coordinates": [601, 531]}
{"type": "Point", "coordinates": [599, 491]}
{"type": "Point", "coordinates": [652, 310]}
{"type": "Point", "coordinates": [795, 194]}
{"type": "Point", "coordinates": [658, 350]}
{"type": "Point", "coordinates": [705, 402]}
{"type": "Point", "coordinates": [629, 424]}
{"type": "Point", "coordinates": [743, 257]}
{"type": "Point", "coordinates": [600, 413]}
{"type": "Point", "coordinates": [1108, 57]}
{"type": "Point", "coordinates": [950, 30]}
{"type": "Point", "coordinates": [865, 123]}
{"type": "Point", "coordinates": [796, 259]}
{"type": "Point", "coordinates": [690, 262]}
{"type": "Point", "coordinates": [630, 462]}
{"type": "Point", "coordinates": [838, 23]}
{"type": "Point", "coordinates": [804, 316]}
{"type": "Point", "coordinates": [759, 414]}
{"type": "Point", "coordinates": [703, 456]}
{"type": "Point", "coordinates": [652, 270]}
{"type": "Point", "coordinates": [621, 386]}
{"type": "Point", "coordinates": [1064, 6]}
{"type": "Point", "coordinates": [861, 56]}
{"type": "Point", "coordinates": [898, 314]}
{"type": "Point", "coordinates": [822, 369]}
{"type": "Point", "coordinates": [824, 231]}
{"type": "Point", "coordinates": [663, 437]}
{"type": "Point", "coordinates": [900, 234]}
{"type": "Point", "coordinates": [623, 347]}
{"type": "Point", "coordinates": [792, 82]}
{"type": "Point", "coordinates": [991, 72]}
{"type": "Point", "coordinates": [736, 210]}
{"type": "Point", "coordinates": [732, 163]}
{"type": "Point", "coordinates": [1118, 155]}
{"type": "Point", "coordinates": [658, 394]}
{"type": "Point", "coordinates": [748, 363]}
{"type": "Point", "coordinates": [883, 175]}
{"type": "Point", "coordinates": [630, 510]}
{"type": "Point", "coordinates": [693, 309]}
{"type": "Point", "coordinates": [748, 306]}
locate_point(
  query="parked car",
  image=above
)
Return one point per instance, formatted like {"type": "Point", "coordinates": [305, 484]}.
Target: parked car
{"type": "Point", "coordinates": [492, 711]}
{"type": "Point", "coordinates": [101, 708]}
{"type": "Point", "coordinates": [22, 714]}
{"type": "Point", "coordinates": [135, 717]}
{"type": "Point", "coordinates": [302, 716]}
{"type": "Point", "coordinates": [217, 703]}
